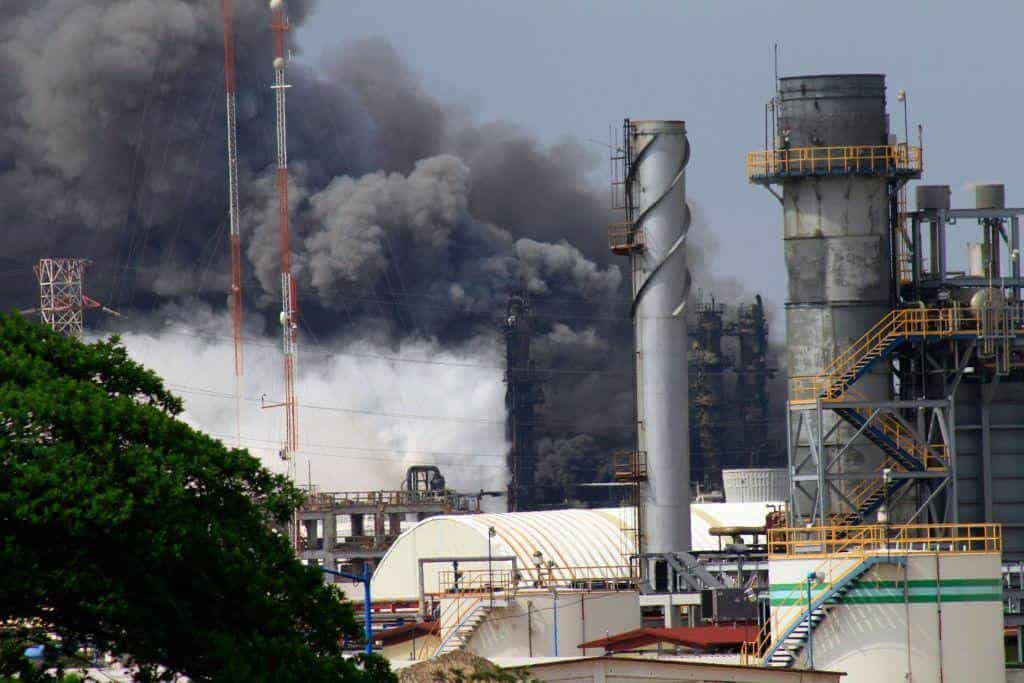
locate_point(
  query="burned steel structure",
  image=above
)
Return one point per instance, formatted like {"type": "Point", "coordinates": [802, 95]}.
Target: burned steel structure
{"type": "Point", "coordinates": [752, 374]}
{"type": "Point", "coordinates": [708, 363]}
{"type": "Point", "coordinates": [729, 402]}
{"type": "Point", "coordinates": [524, 392]}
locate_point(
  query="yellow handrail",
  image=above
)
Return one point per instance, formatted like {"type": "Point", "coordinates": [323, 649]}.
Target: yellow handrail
{"type": "Point", "coordinates": [830, 383]}
{"type": "Point", "coordinates": [841, 543]}
{"type": "Point", "coordinates": [884, 159]}
{"type": "Point", "coordinates": [830, 540]}
{"type": "Point", "coordinates": [755, 650]}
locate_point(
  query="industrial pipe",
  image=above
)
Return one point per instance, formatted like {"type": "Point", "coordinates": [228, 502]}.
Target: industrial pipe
{"type": "Point", "coordinates": [367, 602]}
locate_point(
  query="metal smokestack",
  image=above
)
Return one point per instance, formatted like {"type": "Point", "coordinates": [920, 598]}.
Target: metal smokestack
{"type": "Point", "coordinates": [657, 153]}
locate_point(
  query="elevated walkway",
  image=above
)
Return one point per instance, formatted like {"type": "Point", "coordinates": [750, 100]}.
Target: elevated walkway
{"type": "Point", "coordinates": [778, 165]}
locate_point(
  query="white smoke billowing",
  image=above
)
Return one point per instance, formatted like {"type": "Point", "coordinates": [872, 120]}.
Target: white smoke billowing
{"type": "Point", "coordinates": [363, 418]}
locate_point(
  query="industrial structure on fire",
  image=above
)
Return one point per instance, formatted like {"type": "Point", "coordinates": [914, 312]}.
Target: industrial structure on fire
{"type": "Point", "coordinates": [524, 392]}
{"type": "Point", "coordinates": [904, 404]}
{"type": "Point", "coordinates": [729, 420]}
{"type": "Point", "coordinates": [901, 540]}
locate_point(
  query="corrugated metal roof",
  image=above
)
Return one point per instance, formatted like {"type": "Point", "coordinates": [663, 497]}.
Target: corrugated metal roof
{"type": "Point", "coordinates": [695, 637]}
{"type": "Point", "coordinates": [583, 544]}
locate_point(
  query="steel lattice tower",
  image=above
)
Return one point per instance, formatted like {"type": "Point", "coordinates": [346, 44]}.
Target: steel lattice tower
{"type": "Point", "coordinates": [61, 301]}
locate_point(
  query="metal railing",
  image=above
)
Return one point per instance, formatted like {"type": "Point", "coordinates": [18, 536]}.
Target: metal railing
{"type": "Point", "coordinates": [396, 497]}
{"type": "Point", "coordinates": [624, 237]}
{"type": "Point", "coordinates": [452, 615]}
{"type": "Point", "coordinates": [861, 159]}
{"type": "Point", "coordinates": [904, 538]}
{"type": "Point", "coordinates": [841, 543]}
{"type": "Point", "coordinates": [902, 323]}
{"type": "Point", "coordinates": [752, 652]}
{"type": "Point", "coordinates": [629, 465]}
{"type": "Point", "coordinates": [476, 581]}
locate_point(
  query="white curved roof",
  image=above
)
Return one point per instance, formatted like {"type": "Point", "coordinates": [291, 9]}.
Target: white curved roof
{"type": "Point", "coordinates": [582, 543]}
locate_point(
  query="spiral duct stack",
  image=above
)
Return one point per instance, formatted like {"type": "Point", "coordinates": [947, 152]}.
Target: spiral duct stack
{"type": "Point", "coordinates": [658, 154]}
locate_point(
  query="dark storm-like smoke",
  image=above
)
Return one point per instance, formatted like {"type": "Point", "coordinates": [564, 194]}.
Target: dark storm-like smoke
{"type": "Point", "coordinates": [412, 220]}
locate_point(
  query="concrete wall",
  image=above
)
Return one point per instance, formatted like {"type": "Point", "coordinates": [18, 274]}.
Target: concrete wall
{"type": "Point", "coordinates": [508, 631]}
{"type": "Point", "coordinates": [885, 631]}
{"type": "Point", "coordinates": [411, 650]}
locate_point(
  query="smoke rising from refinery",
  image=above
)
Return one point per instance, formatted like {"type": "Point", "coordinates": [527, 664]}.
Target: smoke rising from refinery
{"type": "Point", "coordinates": [412, 220]}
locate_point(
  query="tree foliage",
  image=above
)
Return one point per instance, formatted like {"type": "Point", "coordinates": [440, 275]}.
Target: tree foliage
{"type": "Point", "coordinates": [124, 529]}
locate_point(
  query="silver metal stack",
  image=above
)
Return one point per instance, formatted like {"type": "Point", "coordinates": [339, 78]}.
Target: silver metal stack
{"type": "Point", "coordinates": [658, 154]}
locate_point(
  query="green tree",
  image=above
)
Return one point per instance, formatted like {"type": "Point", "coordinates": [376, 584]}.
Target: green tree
{"type": "Point", "coordinates": [125, 530]}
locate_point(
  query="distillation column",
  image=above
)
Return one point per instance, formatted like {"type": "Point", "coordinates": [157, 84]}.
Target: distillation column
{"type": "Point", "coordinates": [836, 232]}
{"type": "Point", "coordinates": [657, 154]}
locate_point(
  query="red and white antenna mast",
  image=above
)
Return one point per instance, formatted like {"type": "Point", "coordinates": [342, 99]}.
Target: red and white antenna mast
{"type": "Point", "coordinates": [228, 7]}
{"type": "Point", "coordinates": [289, 324]}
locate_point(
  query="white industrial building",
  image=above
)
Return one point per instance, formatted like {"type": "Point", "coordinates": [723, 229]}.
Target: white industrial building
{"type": "Point", "coordinates": [584, 545]}
{"type": "Point", "coordinates": [568, 564]}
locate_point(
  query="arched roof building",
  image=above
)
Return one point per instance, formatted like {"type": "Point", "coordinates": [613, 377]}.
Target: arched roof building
{"type": "Point", "coordinates": [582, 544]}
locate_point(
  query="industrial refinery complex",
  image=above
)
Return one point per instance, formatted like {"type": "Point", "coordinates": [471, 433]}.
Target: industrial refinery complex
{"type": "Point", "coordinates": [880, 537]}
{"type": "Point", "coordinates": [842, 504]}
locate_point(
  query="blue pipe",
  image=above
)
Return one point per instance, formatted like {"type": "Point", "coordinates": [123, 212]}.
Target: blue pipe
{"type": "Point", "coordinates": [367, 612]}
{"type": "Point", "coordinates": [554, 608]}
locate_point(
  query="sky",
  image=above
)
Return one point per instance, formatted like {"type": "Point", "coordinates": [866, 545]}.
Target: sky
{"type": "Point", "coordinates": [577, 67]}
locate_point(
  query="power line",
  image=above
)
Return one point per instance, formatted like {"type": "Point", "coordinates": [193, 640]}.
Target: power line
{"type": "Point", "coordinates": [400, 359]}
{"type": "Point", "coordinates": [276, 444]}
{"type": "Point", "coordinates": [213, 393]}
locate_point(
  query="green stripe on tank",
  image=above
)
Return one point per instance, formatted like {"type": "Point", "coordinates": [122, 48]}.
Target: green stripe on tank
{"type": "Point", "coordinates": [912, 582]}
{"type": "Point", "coordinates": [891, 595]}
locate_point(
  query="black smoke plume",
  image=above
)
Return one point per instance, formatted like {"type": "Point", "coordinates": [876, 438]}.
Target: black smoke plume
{"type": "Point", "coordinates": [412, 221]}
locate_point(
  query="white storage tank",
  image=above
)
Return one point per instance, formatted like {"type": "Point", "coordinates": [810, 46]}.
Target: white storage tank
{"type": "Point", "coordinates": [756, 485]}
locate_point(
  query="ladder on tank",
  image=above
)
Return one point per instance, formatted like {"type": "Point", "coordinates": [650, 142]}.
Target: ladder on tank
{"type": "Point", "coordinates": [783, 651]}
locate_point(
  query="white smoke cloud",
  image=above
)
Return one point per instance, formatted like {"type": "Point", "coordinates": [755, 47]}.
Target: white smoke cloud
{"type": "Point", "coordinates": [363, 418]}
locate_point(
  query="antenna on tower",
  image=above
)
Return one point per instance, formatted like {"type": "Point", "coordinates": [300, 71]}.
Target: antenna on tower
{"type": "Point", "coordinates": [233, 213]}
{"type": "Point", "coordinates": [289, 319]}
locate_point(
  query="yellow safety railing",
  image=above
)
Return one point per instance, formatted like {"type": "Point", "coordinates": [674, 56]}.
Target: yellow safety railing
{"type": "Point", "coordinates": [832, 540]}
{"type": "Point", "coordinates": [933, 457]}
{"type": "Point", "coordinates": [476, 581]}
{"type": "Point", "coordinates": [873, 159]}
{"type": "Point", "coordinates": [831, 383]}
{"type": "Point", "coordinates": [624, 237]}
{"type": "Point", "coordinates": [830, 571]}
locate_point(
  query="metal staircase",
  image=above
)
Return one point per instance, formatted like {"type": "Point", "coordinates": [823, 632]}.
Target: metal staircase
{"type": "Point", "coordinates": [784, 651]}
{"type": "Point", "coordinates": [458, 636]}
{"type": "Point", "coordinates": [903, 451]}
